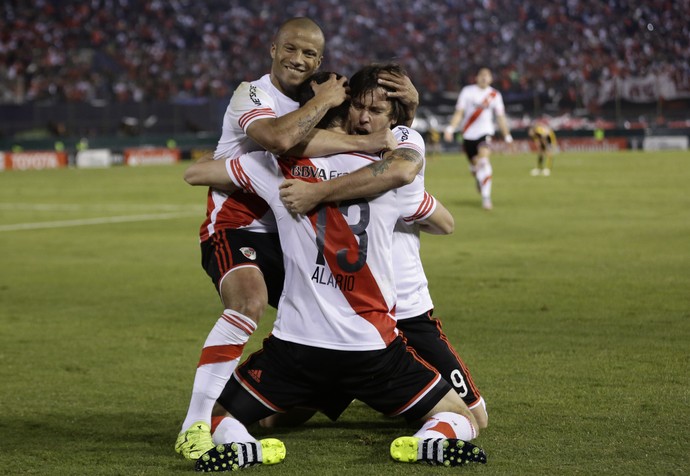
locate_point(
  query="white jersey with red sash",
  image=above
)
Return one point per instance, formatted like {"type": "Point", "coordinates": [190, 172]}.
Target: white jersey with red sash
{"type": "Point", "coordinates": [251, 101]}
{"type": "Point", "coordinates": [479, 105]}
{"type": "Point", "coordinates": [410, 281]}
{"type": "Point", "coordinates": [339, 282]}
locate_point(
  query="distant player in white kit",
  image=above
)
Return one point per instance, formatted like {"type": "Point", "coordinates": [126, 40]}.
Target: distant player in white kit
{"type": "Point", "coordinates": [475, 109]}
{"type": "Point", "coordinates": [336, 313]}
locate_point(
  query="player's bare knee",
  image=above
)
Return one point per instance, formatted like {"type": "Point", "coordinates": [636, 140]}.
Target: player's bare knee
{"type": "Point", "coordinates": [252, 307]}
{"type": "Point", "coordinates": [481, 416]}
{"type": "Point", "coordinates": [248, 304]}
{"type": "Point", "coordinates": [478, 409]}
{"type": "Point", "coordinates": [244, 291]}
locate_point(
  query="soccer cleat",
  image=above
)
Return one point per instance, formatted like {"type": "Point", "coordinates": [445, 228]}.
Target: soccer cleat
{"type": "Point", "coordinates": [535, 172]}
{"type": "Point", "coordinates": [546, 172]}
{"type": "Point", "coordinates": [195, 441]}
{"type": "Point", "coordinates": [234, 456]}
{"type": "Point", "coordinates": [438, 451]}
{"type": "Point", "coordinates": [486, 204]}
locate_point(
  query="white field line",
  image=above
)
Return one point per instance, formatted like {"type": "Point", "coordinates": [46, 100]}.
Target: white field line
{"type": "Point", "coordinates": [103, 207]}
{"type": "Point", "coordinates": [94, 221]}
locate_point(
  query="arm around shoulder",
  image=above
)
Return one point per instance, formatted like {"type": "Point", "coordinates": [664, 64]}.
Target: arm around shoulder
{"type": "Point", "coordinates": [320, 142]}
{"type": "Point", "coordinates": [280, 134]}
{"type": "Point", "coordinates": [399, 168]}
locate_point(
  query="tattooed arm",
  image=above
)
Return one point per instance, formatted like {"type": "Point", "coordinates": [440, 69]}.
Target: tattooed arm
{"type": "Point", "coordinates": [320, 142]}
{"type": "Point", "coordinates": [397, 168]}
{"type": "Point", "coordinates": [280, 134]}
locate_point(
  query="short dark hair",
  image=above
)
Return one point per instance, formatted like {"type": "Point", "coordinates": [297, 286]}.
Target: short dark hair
{"type": "Point", "coordinates": [365, 81]}
{"type": "Point", "coordinates": [302, 23]}
{"type": "Point", "coordinates": [305, 93]}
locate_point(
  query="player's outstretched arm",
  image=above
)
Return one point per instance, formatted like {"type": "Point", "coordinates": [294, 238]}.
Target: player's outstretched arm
{"type": "Point", "coordinates": [398, 167]}
{"type": "Point", "coordinates": [210, 173]}
{"type": "Point", "coordinates": [441, 222]}
{"type": "Point", "coordinates": [453, 126]}
{"type": "Point", "coordinates": [503, 125]}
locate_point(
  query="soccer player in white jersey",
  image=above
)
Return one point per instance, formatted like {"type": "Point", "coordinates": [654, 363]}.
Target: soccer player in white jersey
{"type": "Point", "coordinates": [371, 112]}
{"type": "Point", "coordinates": [475, 109]}
{"type": "Point", "coordinates": [239, 242]}
{"type": "Point", "coordinates": [335, 333]}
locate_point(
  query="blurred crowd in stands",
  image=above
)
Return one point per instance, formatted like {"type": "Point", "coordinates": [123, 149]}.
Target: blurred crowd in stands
{"type": "Point", "coordinates": [188, 50]}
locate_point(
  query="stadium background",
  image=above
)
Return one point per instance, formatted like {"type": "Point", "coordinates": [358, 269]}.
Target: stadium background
{"type": "Point", "coordinates": [568, 301]}
{"type": "Point", "coordinates": [117, 74]}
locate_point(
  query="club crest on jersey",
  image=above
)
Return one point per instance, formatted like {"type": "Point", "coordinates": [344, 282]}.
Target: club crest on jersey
{"type": "Point", "coordinates": [248, 252]}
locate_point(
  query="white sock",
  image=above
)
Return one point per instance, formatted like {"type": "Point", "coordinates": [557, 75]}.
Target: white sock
{"type": "Point", "coordinates": [447, 425]}
{"type": "Point", "coordinates": [484, 177]}
{"type": "Point", "coordinates": [219, 357]}
{"type": "Point", "coordinates": [229, 430]}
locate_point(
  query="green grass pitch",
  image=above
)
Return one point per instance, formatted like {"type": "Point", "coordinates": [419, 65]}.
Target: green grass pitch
{"type": "Point", "coordinates": [570, 302]}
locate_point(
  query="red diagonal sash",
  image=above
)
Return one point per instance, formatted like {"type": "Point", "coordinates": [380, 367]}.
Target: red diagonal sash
{"type": "Point", "coordinates": [480, 109]}
{"type": "Point", "coordinates": [366, 298]}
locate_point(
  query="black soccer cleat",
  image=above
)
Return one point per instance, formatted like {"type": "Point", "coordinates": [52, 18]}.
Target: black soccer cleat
{"type": "Point", "coordinates": [437, 451]}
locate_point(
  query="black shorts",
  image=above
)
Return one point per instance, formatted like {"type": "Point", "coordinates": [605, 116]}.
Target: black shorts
{"type": "Point", "coordinates": [284, 375]}
{"type": "Point", "coordinates": [228, 249]}
{"type": "Point", "coordinates": [471, 147]}
{"type": "Point", "coordinates": [425, 335]}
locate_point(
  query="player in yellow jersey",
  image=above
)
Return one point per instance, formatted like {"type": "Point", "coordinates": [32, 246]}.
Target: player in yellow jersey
{"type": "Point", "coordinates": [545, 139]}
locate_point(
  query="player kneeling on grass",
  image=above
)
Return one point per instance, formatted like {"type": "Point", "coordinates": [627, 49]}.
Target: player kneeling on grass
{"type": "Point", "coordinates": [372, 110]}
{"type": "Point", "coordinates": [334, 333]}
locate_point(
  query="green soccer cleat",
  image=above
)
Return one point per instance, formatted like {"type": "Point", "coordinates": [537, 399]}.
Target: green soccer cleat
{"type": "Point", "coordinates": [234, 456]}
{"type": "Point", "coordinates": [439, 451]}
{"type": "Point", "coordinates": [195, 441]}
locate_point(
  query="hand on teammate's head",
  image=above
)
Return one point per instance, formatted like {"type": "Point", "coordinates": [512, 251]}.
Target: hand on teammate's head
{"type": "Point", "coordinates": [334, 91]}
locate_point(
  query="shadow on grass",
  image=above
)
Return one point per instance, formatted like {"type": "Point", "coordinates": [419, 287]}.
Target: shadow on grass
{"type": "Point", "coordinates": [106, 441]}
